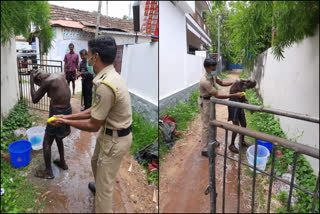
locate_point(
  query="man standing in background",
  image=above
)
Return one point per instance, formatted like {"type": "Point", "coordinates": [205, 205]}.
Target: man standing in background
{"type": "Point", "coordinates": [71, 62]}
{"type": "Point", "coordinates": [87, 77]}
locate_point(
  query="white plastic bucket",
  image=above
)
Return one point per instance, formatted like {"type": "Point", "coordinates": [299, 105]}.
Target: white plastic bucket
{"type": "Point", "coordinates": [262, 157]}
{"type": "Point", "coordinates": [35, 136]}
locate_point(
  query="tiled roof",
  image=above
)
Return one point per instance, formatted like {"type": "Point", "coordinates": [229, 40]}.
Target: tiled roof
{"type": "Point", "coordinates": [66, 23]}
{"type": "Point", "coordinates": [88, 19]}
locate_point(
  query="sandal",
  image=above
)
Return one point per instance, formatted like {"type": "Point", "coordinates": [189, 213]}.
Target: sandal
{"type": "Point", "coordinates": [63, 166]}
{"type": "Point", "coordinates": [43, 174]}
{"type": "Point", "coordinates": [233, 148]}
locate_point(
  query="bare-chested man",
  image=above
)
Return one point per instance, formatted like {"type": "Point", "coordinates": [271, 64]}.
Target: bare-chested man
{"type": "Point", "coordinates": [237, 115]}
{"type": "Point", "coordinates": [56, 87]}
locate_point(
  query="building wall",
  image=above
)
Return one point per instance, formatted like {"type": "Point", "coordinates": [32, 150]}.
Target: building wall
{"type": "Point", "coordinates": [60, 45]}
{"type": "Point", "coordinates": [179, 72]}
{"type": "Point", "coordinates": [192, 5]}
{"type": "Point", "coordinates": [173, 50]}
{"type": "Point", "coordinates": [140, 71]}
{"type": "Point", "coordinates": [193, 69]}
{"type": "Point", "coordinates": [292, 84]}
{"type": "Point", "coordinates": [65, 36]}
{"type": "Point", "coordinates": [9, 78]}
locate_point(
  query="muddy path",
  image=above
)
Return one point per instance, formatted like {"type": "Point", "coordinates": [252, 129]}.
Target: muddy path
{"type": "Point", "coordinates": [68, 192]}
{"type": "Point", "coordinates": [184, 174]}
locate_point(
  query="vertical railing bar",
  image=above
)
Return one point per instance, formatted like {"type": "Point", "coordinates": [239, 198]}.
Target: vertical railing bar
{"type": "Point", "coordinates": [271, 177]}
{"type": "Point", "coordinates": [20, 83]}
{"type": "Point", "coordinates": [315, 194]}
{"type": "Point", "coordinates": [292, 180]}
{"type": "Point", "coordinates": [212, 181]}
{"type": "Point", "coordinates": [224, 171]}
{"type": "Point", "coordinates": [212, 155]}
{"type": "Point", "coordinates": [254, 175]}
{"type": "Point", "coordinates": [239, 173]}
{"type": "Point", "coordinates": [22, 88]}
{"type": "Point", "coordinates": [29, 94]}
{"type": "Point", "coordinates": [46, 98]}
{"type": "Point", "coordinates": [25, 88]}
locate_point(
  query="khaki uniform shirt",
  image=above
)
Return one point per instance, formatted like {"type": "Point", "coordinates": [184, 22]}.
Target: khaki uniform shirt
{"type": "Point", "coordinates": [118, 116]}
{"type": "Point", "coordinates": [207, 84]}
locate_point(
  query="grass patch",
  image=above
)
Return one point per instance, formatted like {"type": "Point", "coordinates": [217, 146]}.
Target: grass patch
{"type": "Point", "coordinates": [183, 113]}
{"type": "Point", "coordinates": [242, 75]}
{"type": "Point", "coordinates": [223, 75]}
{"type": "Point", "coordinates": [20, 195]}
{"type": "Point", "coordinates": [144, 133]}
{"type": "Point", "coordinates": [305, 177]}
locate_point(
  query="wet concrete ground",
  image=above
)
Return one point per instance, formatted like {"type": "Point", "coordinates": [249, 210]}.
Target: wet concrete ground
{"type": "Point", "coordinates": [68, 192]}
{"type": "Point", "coordinates": [185, 174]}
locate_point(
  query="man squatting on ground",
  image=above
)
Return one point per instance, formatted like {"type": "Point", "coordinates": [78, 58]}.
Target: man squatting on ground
{"type": "Point", "coordinates": [237, 115]}
{"type": "Point", "coordinates": [56, 87]}
{"type": "Point", "coordinates": [207, 89]}
{"type": "Point", "coordinates": [111, 113]}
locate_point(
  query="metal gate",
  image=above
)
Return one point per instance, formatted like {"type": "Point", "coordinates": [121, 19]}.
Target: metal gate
{"type": "Point", "coordinates": [24, 71]}
{"type": "Point", "coordinates": [276, 141]}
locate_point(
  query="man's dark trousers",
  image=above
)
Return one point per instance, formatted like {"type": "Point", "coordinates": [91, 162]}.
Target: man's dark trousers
{"type": "Point", "coordinates": [87, 92]}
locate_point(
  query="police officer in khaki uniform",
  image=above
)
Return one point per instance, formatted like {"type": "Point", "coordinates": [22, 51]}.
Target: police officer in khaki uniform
{"type": "Point", "coordinates": [111, 113]}
{"type": "Point", "coordinates": [207, 89]}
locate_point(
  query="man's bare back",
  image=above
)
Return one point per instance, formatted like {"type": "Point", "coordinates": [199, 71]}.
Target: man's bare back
{"type": "Point", "coordinates": [55, 85]}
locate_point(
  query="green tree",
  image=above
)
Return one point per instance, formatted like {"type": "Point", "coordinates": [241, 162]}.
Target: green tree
{"type": "Point", "coordinates": [251, 29]}
{"type": "Point", "coordinates": [220, 8]}
{"type": "Point", "coordinates": [246, 28]}
{"type": "Point", "coordinates": [16, 19]}
{"type": "Point", "coordinates": [293, 20]}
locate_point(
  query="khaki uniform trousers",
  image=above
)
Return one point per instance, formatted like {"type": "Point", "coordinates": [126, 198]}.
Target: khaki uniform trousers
{"type": "Point", "coordinates": [204, 107]}
{"type": "Point", "coordinates": [105, 165]}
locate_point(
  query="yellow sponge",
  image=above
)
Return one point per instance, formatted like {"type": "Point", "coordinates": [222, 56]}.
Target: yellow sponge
{"type": "Point", "coordinates": [244, 93]}
{"type": "Point", "coordinates": [51, 119]}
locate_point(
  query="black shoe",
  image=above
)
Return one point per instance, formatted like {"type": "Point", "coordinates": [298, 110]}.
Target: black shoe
{"type": "Point", "coordinates": [205, 154]}
{"type": "Point", "coordinates": [92, 187]}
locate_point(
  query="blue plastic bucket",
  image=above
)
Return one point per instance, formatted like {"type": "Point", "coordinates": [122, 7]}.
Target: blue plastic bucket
{"type": "Point", "coordinates": [262, 157]}
{"type": "Point", "coordinates": [20, 152]}
{"type": "Point", "coordinates": [265, 144]}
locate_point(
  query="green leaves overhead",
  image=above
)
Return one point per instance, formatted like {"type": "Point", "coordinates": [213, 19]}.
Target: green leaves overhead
{"type": "Point", "coordinates": [246, 27]}
{"type": "Point", "coordinates": [293, 21]}
{"type": "Point", "coordinates": [17, 16]}
{"type": "Point", "coordinates": [220, 7]}
{"type": "Point", "coordinates": [251, 24]}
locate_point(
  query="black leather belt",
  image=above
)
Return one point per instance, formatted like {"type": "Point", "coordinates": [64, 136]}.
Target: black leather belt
{"type": "Point", "coordinates": [206, 98]}
{"type": "Point", "coordinates": [121, 133]}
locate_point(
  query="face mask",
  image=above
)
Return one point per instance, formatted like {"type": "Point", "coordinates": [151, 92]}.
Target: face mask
{"type": "Point", "coordinates": [213, 73]}
{"type": "Point", "coordinates": [90, 69]}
